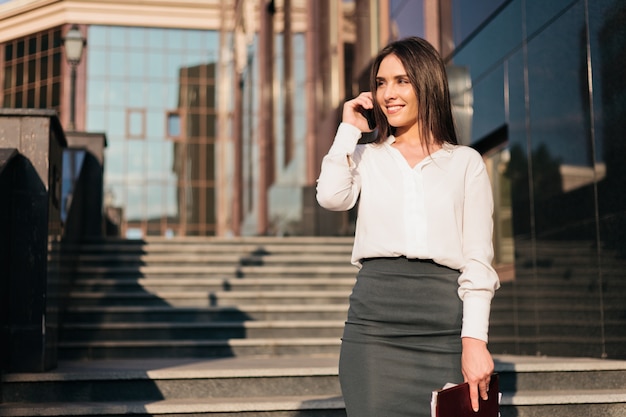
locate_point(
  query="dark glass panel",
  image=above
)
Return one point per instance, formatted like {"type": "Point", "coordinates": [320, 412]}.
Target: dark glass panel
{"type": "Point", "coordinates": [7, 101]}
{"type": "Point", "coordinates": [488, 98]}
{"type": "Point", "coordinates": [18, 100]}
{"type": "Point", "coordinates": [20, 49]}
{"type": "Point", "coordinates": [211, 125]}
{"type": "Point", "coordinates": [538, 13]}
{"type": "Point", "coordinates": [43, 97]}
{"type": "Point", "coordinates": [30, 98]}
{"type": "Point", "coordinates": [468, 15]}
{"type": "Point", "coordinates": [8, 77]}
{"type": "Point", "coordinates": [193, 126]}
{"type": "Point", "coordinates": [208, 162]}
{"type": "Point", "coordinates": [493, 42]}
{"type": "Point", "coordinates": [32, 70]}
{"type": "Point", "coordinates": [56, 64]}
{"type": "Point", "coordinates": [560, 131]}
{"type": "Point", "coordinates": [210, 206]}
{"type": "Point", "coordinates": [194, 208]}
{"type": "Point", "coordinates": [43, 68]}
{"type": "Point", "coordinates": [193, 95]}
{"type": "Point", "coordinates": [44, 42]}
{"type": "Point", "coordinates": [57, 39]}
{"type": "Point", "coordinates": [608, 54]}
{"type": "Point", "coordinates": [562, 178]}
{"type": "Point", "coordinates": [19, 74]}
{"type": "Point", "coordinates": [211, 96]}
{"type": "Point", "coordinates": [8, 52]}
{"type": "Point", "coordinates": [194, 161]}
{"type": "Point", "coordinates": [32, 46]}
{"type": "Point", "coordinates": [56, 94]}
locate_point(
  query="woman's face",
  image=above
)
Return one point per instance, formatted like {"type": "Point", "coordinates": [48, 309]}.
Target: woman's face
{"type": "Point", "coordinates": [395, 94]}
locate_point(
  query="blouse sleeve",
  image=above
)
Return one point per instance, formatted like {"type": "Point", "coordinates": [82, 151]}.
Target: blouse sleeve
{"type": "Point", "coordinates": [478, 281]}
{"type": "Point", "coordinates": [339, 184]}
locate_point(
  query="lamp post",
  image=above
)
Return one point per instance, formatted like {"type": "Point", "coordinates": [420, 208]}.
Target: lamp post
{"type": "Point", "coordinates": [73, 43]}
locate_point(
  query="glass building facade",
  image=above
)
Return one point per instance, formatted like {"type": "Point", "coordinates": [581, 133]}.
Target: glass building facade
{"type": "Point", "coordinates": [548, 113]}
{"type": "Point", "coordinates": [152, 90]}
{"type": "Point", "coordinates": [32, 71]}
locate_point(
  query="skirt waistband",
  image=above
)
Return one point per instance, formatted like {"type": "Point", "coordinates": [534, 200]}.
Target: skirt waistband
{"type": "Point", "coordinates": [429, 261]}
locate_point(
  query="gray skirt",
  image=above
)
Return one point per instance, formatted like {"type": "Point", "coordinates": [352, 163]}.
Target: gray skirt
{"type": "Point", "coordinates": [402, 338]}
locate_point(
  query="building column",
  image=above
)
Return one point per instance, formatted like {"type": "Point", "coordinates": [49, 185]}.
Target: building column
{"type": "Point", "coordinates": [266, 113]}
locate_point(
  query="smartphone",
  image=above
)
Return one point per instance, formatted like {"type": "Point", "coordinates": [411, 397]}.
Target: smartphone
{"type": "Point", "coordinates": [369, 116]}
{"type": "Point", "coordinates": [368, 137]}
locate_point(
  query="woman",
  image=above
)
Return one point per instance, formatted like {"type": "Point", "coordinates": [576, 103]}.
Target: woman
{"type": "Point", "coordinates": [419, 311]}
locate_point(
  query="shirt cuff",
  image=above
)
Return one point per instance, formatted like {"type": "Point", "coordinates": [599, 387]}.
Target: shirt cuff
{"type": "Point", "coordinates": [345, 140]}
{"type": "Point", "coordinates": [476, 309]}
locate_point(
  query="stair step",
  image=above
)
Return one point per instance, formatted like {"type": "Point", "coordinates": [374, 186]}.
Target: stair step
{"type": "Point", "coordinates": [215, 258]}
{"type": "Point", "coordinates": [214, 284]}
{"type": "Point", "coordinates": [208, 298]}
{"type": "Point", "coordinates": [280, 406]}
{"type": "Point", "coordinates": [200, 330]}
{"type": "Point", "coordinates": [117, 314]}
{"type": "Point", "coordinates": [198, 348]}
{"type": "Point", "coordinates": [159, 379]}
{"type": "Point", "coordinates": [220, 270]}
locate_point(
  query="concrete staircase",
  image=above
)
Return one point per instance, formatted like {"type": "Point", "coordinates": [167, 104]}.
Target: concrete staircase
{"type": "Point", "coordinates": [209, 298]}
{"type": "Point", "coordinates": [243, 327]}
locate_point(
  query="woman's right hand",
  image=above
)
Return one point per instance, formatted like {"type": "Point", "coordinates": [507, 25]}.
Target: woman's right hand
{"type": "Point", "coordinates": [353, 111]}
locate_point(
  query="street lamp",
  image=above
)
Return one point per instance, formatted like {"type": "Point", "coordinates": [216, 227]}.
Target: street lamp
{"type": "Point", "coordinates": [73, 43]}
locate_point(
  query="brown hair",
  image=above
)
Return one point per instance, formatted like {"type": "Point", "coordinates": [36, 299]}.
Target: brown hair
{"type": "Point", "coordinates": [427, 73]}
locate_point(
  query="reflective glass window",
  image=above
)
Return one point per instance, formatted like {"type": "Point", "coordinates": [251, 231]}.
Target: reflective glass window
{"type": "Point", "coordinates": [96, 120]}
{"type": "Point", "coordinates": [494, 42]}
{"type": "Point", "coordinates": [489, 106]}
{"type": "Point", "coordinates": [155, 39]}
{"type": "Point", "coordinates": [540, 13]}
{"type": "Point", "coordinates": [468, 15]}
{"type": "Point", "coordinates": [136, 65]}
{"type": "Point", "coordinates": [158, 73]}
{"type": "Point", "coordinates": [116, 63]}
{"type": "Point", "coordinates": [97, 66]}
{"type": "Point", "coordinates": [135, 39]}
{"type": "Point", "coordinates": [155, 124]}
{"type": "Point", "coordinates": [97, 37]}
{"type": "Point", "coordinates": [557, 89]}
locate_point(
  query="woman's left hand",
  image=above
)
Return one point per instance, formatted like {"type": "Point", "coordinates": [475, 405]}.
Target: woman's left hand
{"type": "Point", "coordinates": [477, 367]}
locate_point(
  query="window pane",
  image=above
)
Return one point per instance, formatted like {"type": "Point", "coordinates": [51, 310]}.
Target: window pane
{"type": "Point", "coordinates": [56, 64]}
{"type": "Point", "coordinates": [43, 68]}
{"type": "Point", "coordinates": [136, 124]}
{"type": "Point", "coordinates": [173, 125]}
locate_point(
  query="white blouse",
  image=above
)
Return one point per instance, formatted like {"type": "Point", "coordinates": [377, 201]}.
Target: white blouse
{"type": "Point", "coordinates": [441, 209]}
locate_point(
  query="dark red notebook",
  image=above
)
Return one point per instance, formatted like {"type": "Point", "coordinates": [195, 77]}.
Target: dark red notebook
{"type": "Point", "coordinates": [455, 401]}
